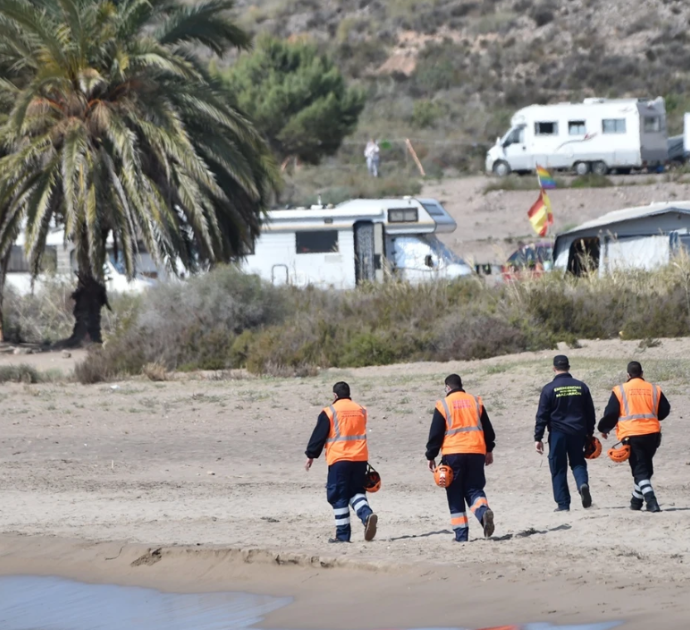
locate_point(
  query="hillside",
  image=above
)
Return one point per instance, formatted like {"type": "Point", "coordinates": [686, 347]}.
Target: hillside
{"type": "Point", "coordinates": [449, 73]}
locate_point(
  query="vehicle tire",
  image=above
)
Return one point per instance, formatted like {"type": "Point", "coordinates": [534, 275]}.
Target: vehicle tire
{"type": "Point", "coordinates": [501, 168]}
{"type": "Point", "coordinates": [581, 168]}
{"type": "Point", "coordinates": [600, 169]}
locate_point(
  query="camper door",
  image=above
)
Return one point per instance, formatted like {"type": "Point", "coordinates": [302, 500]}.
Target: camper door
{"type": "Point", "coordinates": [515, 149]}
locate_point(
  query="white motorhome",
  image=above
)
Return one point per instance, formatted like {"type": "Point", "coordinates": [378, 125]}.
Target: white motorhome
{"type": "Point", "coordinates": [59, 261]}
{"type": "Point", "coordinates": [362, 240]}
{"type": "Point", "coordinates": [597, 135]}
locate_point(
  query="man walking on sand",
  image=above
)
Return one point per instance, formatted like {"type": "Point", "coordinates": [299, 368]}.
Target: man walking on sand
{"type": "Point", "coordinates": [462, 431]}
{"type": "Point", "coordinates": [635, 409]}
{"type": "Point", "coordinates": [342, 429]}
{"type": "Point", "coordinates": [566, 409]}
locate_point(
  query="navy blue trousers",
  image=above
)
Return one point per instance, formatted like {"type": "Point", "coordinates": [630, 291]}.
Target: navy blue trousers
{"type": "Point", "coordinates": [467, 488]}
{"type": "Point", "coordinates": [563, 449]}
{"type": "Point", "coordinates": [345, 490]}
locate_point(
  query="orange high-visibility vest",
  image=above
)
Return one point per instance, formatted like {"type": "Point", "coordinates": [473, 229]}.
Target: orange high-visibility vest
{"type": "Point", "coordinates": [348, 437]}
{"type": "Point", "coordinates": [639, 408]}
{"type": "Point", "coordinates": [464, 431]}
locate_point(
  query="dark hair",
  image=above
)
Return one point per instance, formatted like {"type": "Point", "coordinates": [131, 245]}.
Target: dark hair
{"type": "Point", "coordinates": [454, 381]}
{"type": "Point", "coordinates": [341, 389]}
{"type": "Point", "coordinates": [634, 369]}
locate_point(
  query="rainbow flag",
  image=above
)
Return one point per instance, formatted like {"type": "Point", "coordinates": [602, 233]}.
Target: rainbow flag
{"type": "Point", "coordinates": [540, 215]}
{"type": "Point", "coordinates": [545, 180]}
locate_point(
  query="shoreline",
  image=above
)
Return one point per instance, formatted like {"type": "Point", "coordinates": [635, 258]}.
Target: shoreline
{"type": "Point", "coordinates": [341, 594]}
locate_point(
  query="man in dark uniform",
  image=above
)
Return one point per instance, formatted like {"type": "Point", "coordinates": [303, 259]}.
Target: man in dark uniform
{"type": "Point", "coordinates": [566, 409]}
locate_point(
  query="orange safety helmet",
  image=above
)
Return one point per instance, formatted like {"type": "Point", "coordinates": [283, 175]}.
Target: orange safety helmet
{"type": "Point", "coordinates": [592, 448]}
{"type": "Point", "coordinates": [619, 455]}
{"type": "Point", "coordinates": [373, 480]}
{"type": "Point", "coordinates": [443, 476]}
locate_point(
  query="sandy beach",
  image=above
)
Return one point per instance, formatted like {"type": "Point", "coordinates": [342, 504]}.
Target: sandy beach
{"type": "Point", "coordinates": [197, 483]}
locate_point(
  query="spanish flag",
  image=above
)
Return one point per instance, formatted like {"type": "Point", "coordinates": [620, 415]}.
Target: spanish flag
{"type": "Point", "coordinates": [540, 215]}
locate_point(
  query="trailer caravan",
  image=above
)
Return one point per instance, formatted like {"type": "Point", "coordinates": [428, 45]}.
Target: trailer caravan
{"type": "Point", "coordinates": [597, 135]}
{"type": "Point", "coordinates": [59, 261]}
{"type": "Point", "coordinates": [362, 240]}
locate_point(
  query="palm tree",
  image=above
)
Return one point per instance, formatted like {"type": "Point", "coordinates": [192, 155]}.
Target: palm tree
{"type": "Point", "coordinates": [112, 125]}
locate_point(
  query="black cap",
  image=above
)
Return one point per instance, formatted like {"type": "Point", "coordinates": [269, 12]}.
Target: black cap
{"type": "Point", "coordinates": [561, 362]}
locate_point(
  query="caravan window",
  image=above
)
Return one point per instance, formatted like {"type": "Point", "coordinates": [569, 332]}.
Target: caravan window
{"type": "Point", "coordinates": [316, 242]}
{"type": "Point", "coordinates": [576, 128]}
{"type": "Point", "coordinates": [546, 128]}
{"type": "Point", "coordinates": [613, 125]}
{"type": "Point", "coordinates": [652, 124]}
{"type": "Point", "coordinates": [18, 262]}
{"type": "Point", "coordinates": [403, 215]}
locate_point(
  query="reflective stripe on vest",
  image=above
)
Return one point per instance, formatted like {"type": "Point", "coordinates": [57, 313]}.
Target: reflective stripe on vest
{"type": "Point", "coordinates": [336, 428]}
{"type": "Point", "coordinates": [639, 408]}
{"type": "Point", "coordinates": [464, 431]}
{"type": "Point", "coordinates": [628, 417]}
{"type": "Point", "coordinates": [449, 420]}
{"type": "Point", "coordinates": [346, 418]}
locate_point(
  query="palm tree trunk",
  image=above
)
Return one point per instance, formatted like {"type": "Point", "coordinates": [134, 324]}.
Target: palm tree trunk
{"type": "Point", "coordinates": [3, 274]}
{"type": "Point", "coordinates": [89, 298]}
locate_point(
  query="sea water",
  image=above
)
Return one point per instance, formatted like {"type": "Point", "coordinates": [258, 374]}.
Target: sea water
{"type": "Point", "coordinates": [47, 603]}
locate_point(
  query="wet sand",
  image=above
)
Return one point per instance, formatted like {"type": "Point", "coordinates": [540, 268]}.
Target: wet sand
{"type": "Point", "coordinates": [206, 468]}
{"type": "Point", "coordinates": [344, 598]}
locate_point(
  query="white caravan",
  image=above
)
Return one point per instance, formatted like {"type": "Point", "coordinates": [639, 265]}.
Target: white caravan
{"type": "Point", "coordinates": [362, 240]}
{"type": "Point", "coordinates": [59, 261]}
{"type": "Point", "coordinates": [596, 135]}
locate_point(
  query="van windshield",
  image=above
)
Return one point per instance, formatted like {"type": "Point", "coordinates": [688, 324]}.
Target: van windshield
{"type": "Point", "coordinates": [514, 136]}
{"type": "Point", "coordinates": [443, 251]}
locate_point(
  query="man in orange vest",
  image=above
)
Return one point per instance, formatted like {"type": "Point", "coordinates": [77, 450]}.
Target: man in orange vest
{"type": "Point", "coordinates": [462, 432]}
{"type": "Point", "coordinates": [342, 429]}
{"type": "Point", "coordinates": [635, 409]}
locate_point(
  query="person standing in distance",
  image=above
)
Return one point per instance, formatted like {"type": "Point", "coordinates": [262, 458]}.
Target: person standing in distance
{"type": "Point", "coordinates": [566, 409]}
{"type": "Point", "coordinates": [342, 429]}
{"type": "Point", "coordinates": [462, 431]}
{"type": "Point", "coordinates": [635, 409]}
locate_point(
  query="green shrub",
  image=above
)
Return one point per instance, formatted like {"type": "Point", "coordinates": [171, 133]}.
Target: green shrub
{"type": "Point", "coordinates": [227, 320]}
{"type": "Point", "coordinates": [591, 181]}
{"type": "Point", "coordinates": [20, 374]}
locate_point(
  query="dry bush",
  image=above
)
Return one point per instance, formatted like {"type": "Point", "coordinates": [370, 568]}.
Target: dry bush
{"type": "Point", "coordinates": [20, 374]}
{"type": "Point", "coordinates": [246, 323]}
{"type": "Point", "coordinates": [155, 372]}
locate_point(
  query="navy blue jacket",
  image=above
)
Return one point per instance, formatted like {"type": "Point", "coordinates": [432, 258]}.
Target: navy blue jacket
{"type": "Point", "coordinates": [565, 406]}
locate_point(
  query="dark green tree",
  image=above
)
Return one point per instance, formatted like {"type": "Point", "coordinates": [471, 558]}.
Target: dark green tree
{"type": "Point", "coordinates": [296, 96]}
{"type": "Point", "coordinates": [111, 124]}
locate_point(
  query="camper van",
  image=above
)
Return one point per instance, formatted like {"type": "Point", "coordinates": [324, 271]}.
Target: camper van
{"type": "Point", "coordinates": [597, 135]}
{"type": "Point", "coordinates": [59, 261]}
{"type": "Point", "coordinates": [362, 240]}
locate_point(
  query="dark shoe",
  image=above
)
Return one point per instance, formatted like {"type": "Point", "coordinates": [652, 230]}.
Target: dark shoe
{"type": "Point", "coordinates": [586, 496]}
{"type": "Point", "coordinates": [461, 540]}
{"type": "Point", "coordinates": [370, 527]}
{"type": "Point", "coordinates": [562, 509]}
{"type": "Point", "coordinates": [653, 505]}
{"type": "Point", "coordinates": [488, 523]}
{"type": "Point", "coordinates": [337, 540]}
{"type": "Point", "coordinates": [636, 504]}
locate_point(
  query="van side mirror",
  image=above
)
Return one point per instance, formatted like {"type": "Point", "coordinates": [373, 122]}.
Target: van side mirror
{"type": "Point", "coordinates": [429, 261]}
